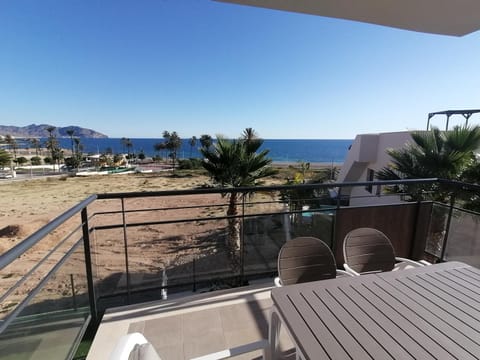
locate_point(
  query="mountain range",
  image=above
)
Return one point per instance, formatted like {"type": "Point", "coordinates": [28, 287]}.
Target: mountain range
{"type": "Point", "coordinates": [39, 131]}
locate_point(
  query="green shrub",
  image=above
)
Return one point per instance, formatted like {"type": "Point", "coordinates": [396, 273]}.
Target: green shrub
{"type": "Point", "coordinates": [190, 164]}
{"type": "Point", "coordinates": [22, 160]}
{"type": "Point", "coordinates": [36, 160]}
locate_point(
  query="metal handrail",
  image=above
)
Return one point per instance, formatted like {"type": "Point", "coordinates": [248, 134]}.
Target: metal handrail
{"type": "Point", "coordinates": [264, 188]}
{"type": "Point", "coordinates": [12, 254]}
{"type": "Point", "coordinates": [37, 265]}
{"type": "Point", "coordinates": [5, 322]}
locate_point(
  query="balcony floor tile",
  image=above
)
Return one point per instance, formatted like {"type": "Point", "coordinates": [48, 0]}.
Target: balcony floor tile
{"type": "Point", "coordinates": [193, 326]}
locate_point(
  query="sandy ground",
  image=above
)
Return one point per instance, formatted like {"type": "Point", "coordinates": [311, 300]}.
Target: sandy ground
{"type": "Point", "coordinates": [27, 205]}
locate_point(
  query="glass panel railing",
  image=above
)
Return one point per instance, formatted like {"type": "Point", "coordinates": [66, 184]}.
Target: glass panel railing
{"type": "Point", "coordinates": [437, 229]}
{"type": "Point", "coordinates": [263, 236]}
{"type": "Point", "coordinates": [463, 242]}
{"type": "Point", "coordinates": [182, 242]}
{"type": "Point", "coordinates": [48, 315]}
{"type": "Point", "coordinates": [176, 242]}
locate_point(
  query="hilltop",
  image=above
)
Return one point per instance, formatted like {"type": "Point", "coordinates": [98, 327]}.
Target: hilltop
{"type": "Point", "coordinates": [39, 131]}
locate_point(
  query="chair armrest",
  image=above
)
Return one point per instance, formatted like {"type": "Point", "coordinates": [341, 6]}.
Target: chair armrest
{"type": "Point", "coordinates": [343, 272]}
{"type": "Point", "coordinates": [349, 270]}
{"type": "Point", "coordinates": [409, 261]}
{"type": "Point", "coordinates": [125, 345]}
{"type": "Point", "coordinates": [277, 281]}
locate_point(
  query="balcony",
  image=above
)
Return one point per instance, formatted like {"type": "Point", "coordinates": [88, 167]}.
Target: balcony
{"type": "Point", "coordinates": [157, 262]}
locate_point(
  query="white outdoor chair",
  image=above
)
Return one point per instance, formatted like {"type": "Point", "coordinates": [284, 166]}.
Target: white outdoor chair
{"type": "Point", "coordinates": [135, 346]}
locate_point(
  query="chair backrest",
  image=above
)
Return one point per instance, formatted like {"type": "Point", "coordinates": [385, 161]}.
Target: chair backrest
{"type": "Point", "coordinates": [368, 250]}
{"type": "Point", "coordinates": [305, 259]}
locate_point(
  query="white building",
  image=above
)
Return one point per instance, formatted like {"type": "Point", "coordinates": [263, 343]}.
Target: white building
{"type": "Point", "coordinates": [367, 155]}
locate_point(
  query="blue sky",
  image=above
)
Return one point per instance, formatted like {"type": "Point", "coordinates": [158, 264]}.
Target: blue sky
{"type": "Point", "coordinates": [137, 68]}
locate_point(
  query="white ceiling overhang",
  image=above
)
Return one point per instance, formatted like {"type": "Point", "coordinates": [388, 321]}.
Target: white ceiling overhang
{"type": "Point", "coordinates": [447, 17]}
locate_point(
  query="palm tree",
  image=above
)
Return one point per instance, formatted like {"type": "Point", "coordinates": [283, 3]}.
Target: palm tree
{"type": "Point", "coordinates": [193, 142]}
{"type": "Point", "coordinates": [127, 143]}
{"type": "Point", "coordinates": [124, 141]}
{"type": "Point", "coordinates": [233, 164]}
{"type": "Point", "coordinates": [71, 132]}
{"type": "Point", "coordinates": [78, 152]}
{"type": "Point", "coordinates": [206, 141]}
{"type": "Point", "coordinates": [52, 145]}
{"type": "Point", "coordinates": [36, 145]}
{"type": "Point", "coordinates": [249, 134]}
{"type": "Point", "coordinates": [172, 143]}
{"type": "Point", "coordinates": [435, 153]}
{"type": "Point", "coordinates": [5, 158]}
{"type": "Point", "coordinates": [159, 147]}
{"type": "Point", "coordinates": [12, 143]}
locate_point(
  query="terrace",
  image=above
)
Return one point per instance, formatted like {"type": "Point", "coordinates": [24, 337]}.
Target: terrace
{"type": "Point", "coordinates": [157, 263]}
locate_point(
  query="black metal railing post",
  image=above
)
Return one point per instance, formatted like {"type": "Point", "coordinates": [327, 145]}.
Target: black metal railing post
{"type": "Point", "coordinates": [125, 245]}
{"type": "Point", "coordinates": [447, 227]}
{"type": "Point", "coordinates": [334, 222]}
{"type": "Point", "coordinates": [88, 265]}
{"type": "Point", "coordinates": [242, 239]}
{"type": "Point", "coordinates": [194, 275]}
{"type": "Point", "coordinates": [415, 226]}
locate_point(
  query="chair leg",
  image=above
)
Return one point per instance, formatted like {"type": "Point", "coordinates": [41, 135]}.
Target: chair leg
{"type": "Point", "coordinates": [271, 352]}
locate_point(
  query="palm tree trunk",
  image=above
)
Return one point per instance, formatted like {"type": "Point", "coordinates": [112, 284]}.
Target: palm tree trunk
{"type": "Point", "coordinates": [233, 236]}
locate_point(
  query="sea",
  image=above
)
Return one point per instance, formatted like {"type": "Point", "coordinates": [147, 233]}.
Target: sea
{"type": "Point", "coordinates": [280, 150]}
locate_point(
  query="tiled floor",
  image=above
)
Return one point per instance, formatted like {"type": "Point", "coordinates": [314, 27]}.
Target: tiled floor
{"type": "Point", "coordinates": [193, 326]}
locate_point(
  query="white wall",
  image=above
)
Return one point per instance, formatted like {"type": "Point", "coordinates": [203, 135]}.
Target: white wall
{"type": "Point", "coordinates": [369, 151]}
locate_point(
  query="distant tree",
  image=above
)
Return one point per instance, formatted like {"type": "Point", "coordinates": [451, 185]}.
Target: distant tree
{"type": "Point", "coordinates": [36, 145]}
{"type": "Point", "coordinates": [141, 155]}
{"type": "Point", "coordinates": [75, 159]}
{"type": "Point", "coordinates": [13, 145]}
{"type": "Point", "coordinates": [232, 164]}
{"type": "Point", "coordinates": [126, 144]}
{"type": "Point", "coordinates": [78, 152]}
{"type": "Point", "coordinates": [36, 160]}
{"type": "Point", "coordinates": [159, 147]}
{"type": "Point", "coordinates": [53, 146]}
{"type": "Point", "coordinates": [129, 145]}
{"type": "Point", "coordinates": [21, 160]}
{"type": "Point", "coordinates": [172, 144]}
{"type": "Point", "coordinates": [124, 141]}
{"type": "Point", "coordinates": [5, 158]}
{"type": "Point", "coordinates": [206, 141]}
{"type": "Point", "coordinates": [70, 132]}
{"type": "Point", "coordinates": [192, 142]}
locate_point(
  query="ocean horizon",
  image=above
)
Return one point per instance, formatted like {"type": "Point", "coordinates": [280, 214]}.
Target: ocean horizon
{"type": "Point", "coordinates": [280, 150]}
